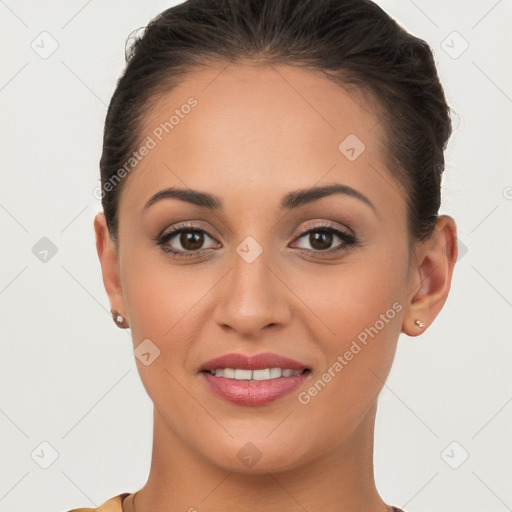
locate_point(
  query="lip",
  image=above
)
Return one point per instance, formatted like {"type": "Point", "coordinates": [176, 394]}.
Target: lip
{"type": "Point", "coordinates": [252, 362]}
{"type": "Point", "coordinates": [253, 392]}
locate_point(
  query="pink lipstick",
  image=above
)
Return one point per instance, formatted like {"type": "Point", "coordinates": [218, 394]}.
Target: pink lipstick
{"type": "Point", "coordinates": [253, 380]}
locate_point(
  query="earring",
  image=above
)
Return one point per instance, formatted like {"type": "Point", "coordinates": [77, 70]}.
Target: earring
{"type": "Point", "coordinates": [119, 319]}
{"type": "Point", "coordinates": [419, 323]}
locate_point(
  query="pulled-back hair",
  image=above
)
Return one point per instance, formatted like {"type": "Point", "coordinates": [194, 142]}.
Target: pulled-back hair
{"type": "Point", "coordinates": [353, 42]}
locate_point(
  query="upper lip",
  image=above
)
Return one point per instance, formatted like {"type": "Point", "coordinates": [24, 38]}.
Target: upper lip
{"type": "Point", "coordinates": [252, 362]}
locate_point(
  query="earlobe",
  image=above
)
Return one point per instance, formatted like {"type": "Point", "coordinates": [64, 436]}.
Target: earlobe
{"type": "Point", "coordinates": [107, 254]}
{"type": "Point", "coordinates": [431, 277]}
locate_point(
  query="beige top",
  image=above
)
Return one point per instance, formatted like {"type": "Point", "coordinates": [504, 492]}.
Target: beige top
{"type": "Point", "coordinates": [114, 504]}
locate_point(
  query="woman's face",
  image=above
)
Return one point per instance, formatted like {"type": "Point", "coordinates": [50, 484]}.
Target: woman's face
{"type": "Point", "coordinates": [271, 269]}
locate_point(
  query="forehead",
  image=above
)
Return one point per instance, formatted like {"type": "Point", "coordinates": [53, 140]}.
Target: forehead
{"type": "Point", "coordinates": [250, 127]}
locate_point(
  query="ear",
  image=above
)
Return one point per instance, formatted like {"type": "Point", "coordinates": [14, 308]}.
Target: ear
{"type": "Point", "coordinates": [431, 276]}
{"type": "Point", "coordinates": [107, 253]}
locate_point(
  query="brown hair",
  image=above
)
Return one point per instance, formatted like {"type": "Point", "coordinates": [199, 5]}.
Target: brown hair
{"type": "Point", "coordinates": [351, 41]}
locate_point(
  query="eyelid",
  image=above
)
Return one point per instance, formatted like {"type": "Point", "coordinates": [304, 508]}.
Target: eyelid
{"type": "Point", "coordinates": [318, 224]}
{"type": "Point", "coordinates": [187, 224]}
{"type": "Point", "coordinates": [349, 239]}
{"type": "Point", "coordinates": [193, 225]}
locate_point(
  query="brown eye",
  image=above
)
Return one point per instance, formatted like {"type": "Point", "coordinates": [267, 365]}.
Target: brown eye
{"type": "Point", "coordinates": [184, 241]}
{"type": "Point", "coordinates": [320, 240]}
{"type": "Point", "coordinates": [191, 240]}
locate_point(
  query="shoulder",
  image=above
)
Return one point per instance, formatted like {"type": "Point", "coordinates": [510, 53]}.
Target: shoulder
{"type": "Point", "coordinates": [114, 504]}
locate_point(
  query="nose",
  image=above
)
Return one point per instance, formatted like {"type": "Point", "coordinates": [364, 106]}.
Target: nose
{"type": "Point", "coordinates": [252, 297]}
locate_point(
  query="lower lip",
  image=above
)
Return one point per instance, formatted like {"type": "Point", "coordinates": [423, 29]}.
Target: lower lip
{"type": "Point", "coordinates": [254, 392]}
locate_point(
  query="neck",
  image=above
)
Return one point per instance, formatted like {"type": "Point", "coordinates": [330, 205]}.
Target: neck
{"type": "Point", "coordinates": [342, 480]}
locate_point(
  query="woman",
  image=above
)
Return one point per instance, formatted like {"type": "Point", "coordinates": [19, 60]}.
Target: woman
{"type": "Point", "coordinates": [271, 185]}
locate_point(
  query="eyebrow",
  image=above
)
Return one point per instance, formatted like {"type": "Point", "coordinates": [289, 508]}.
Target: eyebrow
{"type": "Point", "coordinates": [290, 201]}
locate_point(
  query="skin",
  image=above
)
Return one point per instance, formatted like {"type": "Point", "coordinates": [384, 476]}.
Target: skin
{"type": "Point", "coordinates": [257, 133]}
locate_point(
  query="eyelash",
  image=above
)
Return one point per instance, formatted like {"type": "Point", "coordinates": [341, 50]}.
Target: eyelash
{"type": "Point", "coordinates": [349, 240]}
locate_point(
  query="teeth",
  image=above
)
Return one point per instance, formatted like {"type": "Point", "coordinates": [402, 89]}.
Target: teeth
{"type": "Point", "coordinates": [264, 374]}
{"type": "Point", "coordinates": [275, 373]}
{"type": "Point", "coordinates": [228, 373]}
{"type": "Point", "coordinates": [261, 374]}
{"type": "Point", "coordinates": [243, 374]}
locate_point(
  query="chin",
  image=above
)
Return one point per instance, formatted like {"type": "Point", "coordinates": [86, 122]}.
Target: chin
{"type": "Point", "coordinates": [260, 456]}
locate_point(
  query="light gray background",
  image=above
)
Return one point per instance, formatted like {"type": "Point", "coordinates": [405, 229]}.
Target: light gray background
{"type": "Point", "coordinates": [68, 374]}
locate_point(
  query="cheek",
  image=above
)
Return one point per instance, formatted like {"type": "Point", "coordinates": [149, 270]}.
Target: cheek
{"type": "Point", "coordinates": [352, 296]}
{"type": "Point", "coordinates": [163, 302]}
{"type": "Point", "coordinates": [363, 311]}
{"type": "Point", "coordinates": [166, 304]}
{"type": "Point", "coordinates": [159, 295]}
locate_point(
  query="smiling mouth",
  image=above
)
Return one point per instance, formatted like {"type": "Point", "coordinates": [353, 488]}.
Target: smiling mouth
{"type": "Point", "coordinates": [255, 375]}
